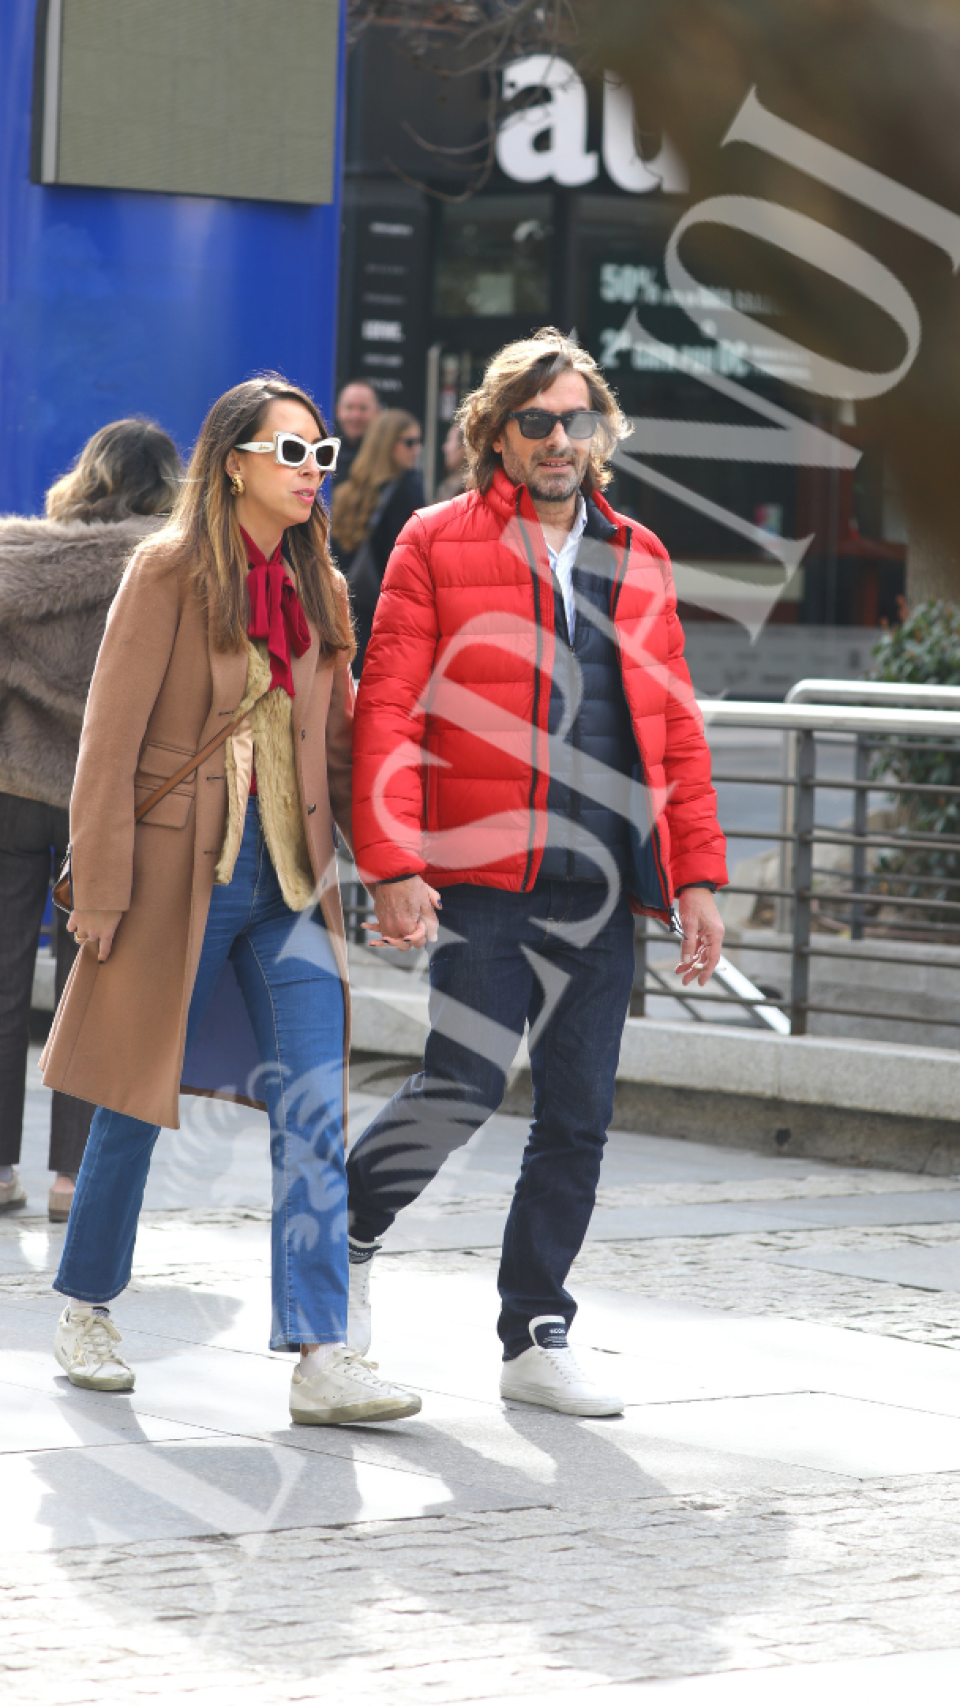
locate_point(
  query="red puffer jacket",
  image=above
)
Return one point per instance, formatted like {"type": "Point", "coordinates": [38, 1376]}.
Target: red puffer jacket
{"type": "Point", "coordinates": [451, 750]}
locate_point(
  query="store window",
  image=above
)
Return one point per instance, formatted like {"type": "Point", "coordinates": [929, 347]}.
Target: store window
{"type": "Point", "coordinates": [852, 571]}
{"type": "Point", "coordinates": [494, 258]}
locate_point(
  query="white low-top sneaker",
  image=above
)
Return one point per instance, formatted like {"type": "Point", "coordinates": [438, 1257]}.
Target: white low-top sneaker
{"type": "Point", "coordinates": [347, 1389]}
{"type": "Point", "coordinates": [547, 1374]}
{"type": "Point", "coordinates": [359, 1321]}
{"type": "Point", "coordinates": [87, 1347]}
{"type": "Point", "coordinates": [12, 1193]}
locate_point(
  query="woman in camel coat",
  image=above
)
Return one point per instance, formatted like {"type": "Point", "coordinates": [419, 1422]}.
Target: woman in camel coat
{"type": "Point", "coordinates": [207, 964]}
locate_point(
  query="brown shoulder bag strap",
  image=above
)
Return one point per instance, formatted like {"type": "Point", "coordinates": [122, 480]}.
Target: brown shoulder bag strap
{"type": "Point", "coordinates": [63, 887]}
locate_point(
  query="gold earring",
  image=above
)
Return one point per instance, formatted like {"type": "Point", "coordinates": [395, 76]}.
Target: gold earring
{"type": "Point", "coordinates": [237, 486]}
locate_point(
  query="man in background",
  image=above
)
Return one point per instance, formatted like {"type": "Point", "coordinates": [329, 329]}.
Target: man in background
{"type": "Point", "coordinates": [357, 406]}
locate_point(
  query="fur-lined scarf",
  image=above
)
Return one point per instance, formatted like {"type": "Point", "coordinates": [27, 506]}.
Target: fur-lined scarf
{"type": "Point", "coordinates": [57, 581]}
{"type": "Point", "coordinates": [270, 721]}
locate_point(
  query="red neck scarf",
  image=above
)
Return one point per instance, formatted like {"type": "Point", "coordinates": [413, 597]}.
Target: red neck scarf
{"type": "Point", "coordinates": [276, 614]}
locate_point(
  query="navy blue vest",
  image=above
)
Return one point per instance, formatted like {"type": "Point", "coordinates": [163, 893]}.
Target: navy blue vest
{"type": "Point", "coordinates": [588, 798]}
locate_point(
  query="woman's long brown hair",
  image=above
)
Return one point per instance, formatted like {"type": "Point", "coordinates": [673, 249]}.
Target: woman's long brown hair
{"type": "Point", "coordinates": [203, 539]}
{"type": "Point", "coordinates": [355, 499]}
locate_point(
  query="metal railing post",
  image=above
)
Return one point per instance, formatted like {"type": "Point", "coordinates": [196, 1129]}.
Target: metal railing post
{"type": "Point", "coordinates": [803, 881]}
{"type": "Point", "coordinates": [782, 909]}
{"type": "Point", "coordinates": [430, 423]}
{"type": "Point", "coordinates": [861, 771]}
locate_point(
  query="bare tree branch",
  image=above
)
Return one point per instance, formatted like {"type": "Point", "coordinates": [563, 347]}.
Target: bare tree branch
{"type": "Point", "coordinates": [468, 38]}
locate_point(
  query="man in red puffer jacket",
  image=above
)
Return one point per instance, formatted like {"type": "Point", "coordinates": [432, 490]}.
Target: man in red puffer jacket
{"type": "Point", "coordinates": [529, 758]}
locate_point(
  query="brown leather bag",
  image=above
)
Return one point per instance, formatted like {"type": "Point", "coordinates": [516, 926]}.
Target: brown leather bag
{"type": "Point", "coordinates": [63, 887]}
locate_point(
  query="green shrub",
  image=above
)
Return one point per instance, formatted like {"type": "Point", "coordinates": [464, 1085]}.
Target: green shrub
{"type": "Point", "coordinates": [925, 648]}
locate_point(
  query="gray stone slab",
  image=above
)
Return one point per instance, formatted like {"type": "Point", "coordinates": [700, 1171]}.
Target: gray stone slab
{"type": "Point", "coordinates": [428, 1226]}
{"type": "Point", "coordinates": [680, 1350]}
{"type": "Point", "coordinates": [891, 1678]}
{"type": "Point", "coordinates": [54, 1499]}
{"type": "Point", "coordinates": [928, 1269]}
{"type": "Point", "coordinates": [48, 1414]}
{"type": "Point", "coordinates": [814, 1430]}
{"type": "Point", "coordinates": [529, 1455]}
{"type": "Point", "coordinates": [29, 1245]}
{"type": "Point", "coordinates": [894, 1208]}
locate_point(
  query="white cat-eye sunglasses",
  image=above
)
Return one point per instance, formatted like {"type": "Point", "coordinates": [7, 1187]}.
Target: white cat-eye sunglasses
{"type": "Point", "coordinates": [291, 451]}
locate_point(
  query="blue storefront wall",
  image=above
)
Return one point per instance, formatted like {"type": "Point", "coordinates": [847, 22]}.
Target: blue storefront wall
{"type": "Point", "coordinates": [115, 303]}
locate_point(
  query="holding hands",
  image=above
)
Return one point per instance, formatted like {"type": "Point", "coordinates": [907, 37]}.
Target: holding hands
{"type": "Point", "coordinates": [406, 914]}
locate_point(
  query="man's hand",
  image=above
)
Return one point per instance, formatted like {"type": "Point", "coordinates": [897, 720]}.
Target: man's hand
{"type": "Point", "coordinates": [702, 935]}
{"type": "Point", "coordinates": [99, 927]}
{"type": "Point", "coordinates": [406, 913]}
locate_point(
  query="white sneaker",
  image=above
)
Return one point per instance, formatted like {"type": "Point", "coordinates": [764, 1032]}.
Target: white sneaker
{"type": "Point", "coordinates": [347, 1389]}
{"type": "Point", "coordinates": [86, 1347]}
{"type": "Point", "coordinates": [547, 1374]}
{"type": "Point", "coordinates": [359, 1322]}
{"type": "Point", "coordinates": [12, 1193]}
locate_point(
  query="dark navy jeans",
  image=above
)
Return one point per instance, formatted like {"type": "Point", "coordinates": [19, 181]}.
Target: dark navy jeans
{"type": "Point", "coordinates": [551, 959]}
{"type": "Point", "coordinates": [292, 991]}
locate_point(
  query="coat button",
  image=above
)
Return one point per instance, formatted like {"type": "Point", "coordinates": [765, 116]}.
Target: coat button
{"type": "Point", "coordinates": [311, 810]}
{"type": "Point", "coordinates": [303, 734]}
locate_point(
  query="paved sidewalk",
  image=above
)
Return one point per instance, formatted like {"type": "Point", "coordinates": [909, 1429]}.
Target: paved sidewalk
{"type": "Point", "coordinates": [783, 1490]}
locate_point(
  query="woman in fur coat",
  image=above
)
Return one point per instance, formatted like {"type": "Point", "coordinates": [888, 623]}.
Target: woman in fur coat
{"type": "Point", "coordinates": [57, 579]}
{"type": "Point", "coordinates": [213, 955]}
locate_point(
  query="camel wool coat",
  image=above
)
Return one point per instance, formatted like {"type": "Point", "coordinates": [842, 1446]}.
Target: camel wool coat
{"type": "Point", "coordinates": [160, 692]}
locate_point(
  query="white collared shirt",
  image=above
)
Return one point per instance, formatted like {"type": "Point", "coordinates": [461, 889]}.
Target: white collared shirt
{"type": "Point", "coordinates": [562, 561]}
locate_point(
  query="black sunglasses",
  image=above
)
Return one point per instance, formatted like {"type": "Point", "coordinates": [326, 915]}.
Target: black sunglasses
{"type": "Point", "coordinates": [539, 423]}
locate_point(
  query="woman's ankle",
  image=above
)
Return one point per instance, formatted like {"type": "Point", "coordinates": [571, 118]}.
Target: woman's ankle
{"type": "Point", "coordinates": [314, 1357]}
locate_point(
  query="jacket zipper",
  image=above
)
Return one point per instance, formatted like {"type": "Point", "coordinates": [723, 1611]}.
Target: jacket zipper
{"type": "Point", "coordinates": [576, 762]}
{"type": "Point", "coordinates": [654, 832]}
{"type": "Point", "coordinates": [535, 773]}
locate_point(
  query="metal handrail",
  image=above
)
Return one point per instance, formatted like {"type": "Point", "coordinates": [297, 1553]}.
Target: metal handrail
{"type": "Point", "coordinates": [813, 898]}
{"type": "Point", "coordinates": [827, 719]}
{"type": "Point", "coordinates": [922, 697]}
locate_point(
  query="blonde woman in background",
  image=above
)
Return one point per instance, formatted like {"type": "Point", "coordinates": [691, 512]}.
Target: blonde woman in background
{"type": "Point", "coordinates": [370, 509]}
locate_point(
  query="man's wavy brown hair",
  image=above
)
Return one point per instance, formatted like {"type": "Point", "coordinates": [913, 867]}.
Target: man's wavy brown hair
{"type": "Point", "coordinates": [520, 371]}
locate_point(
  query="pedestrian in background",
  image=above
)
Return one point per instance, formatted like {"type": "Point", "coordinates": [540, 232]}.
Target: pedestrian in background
{"type": "Point", "coordinates": [369, 510]}
{"type": "Point", "coordinates": [207, 960]}
{"type": "Point", "coordinates": [357, 408]}
{"type": "Point", "coordinates": [455, 462]}
{"type": "Point", "coordinates": [57, 578]}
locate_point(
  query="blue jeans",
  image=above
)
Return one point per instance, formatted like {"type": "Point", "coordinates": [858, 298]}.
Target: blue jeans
{"type": "Point", "coordinates": [294, 997]}
{"type": "Point", "coordinates": [503, 960]}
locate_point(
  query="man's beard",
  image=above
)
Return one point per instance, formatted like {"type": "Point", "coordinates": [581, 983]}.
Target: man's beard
{"type": "Point", "coordinates": [537, 490]}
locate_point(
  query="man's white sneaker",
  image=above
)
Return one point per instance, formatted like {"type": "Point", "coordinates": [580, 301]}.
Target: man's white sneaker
{"type": "Point", "coordinates": [359, 1322]}
{"type": "Point", "coordinates": [547, 1374]}
{"type": "Point", "coordinates": [87, 1347]}
{"type": "Point", "coordinates": [347, 1389]}
{"type": "Point", "coordinates": [12, 1193]}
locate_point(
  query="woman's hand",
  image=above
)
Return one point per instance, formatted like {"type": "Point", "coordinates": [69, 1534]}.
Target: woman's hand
{"type": "Point", "coordinates": [406, 913]}
{"type": "Point", "coordinates": [99, 927]}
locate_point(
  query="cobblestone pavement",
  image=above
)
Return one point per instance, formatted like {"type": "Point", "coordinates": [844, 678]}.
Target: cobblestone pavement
{"type": "Point", "coordinates": [491, 1607]}
{"type": "Point", "coordinates": [568, 1556]}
